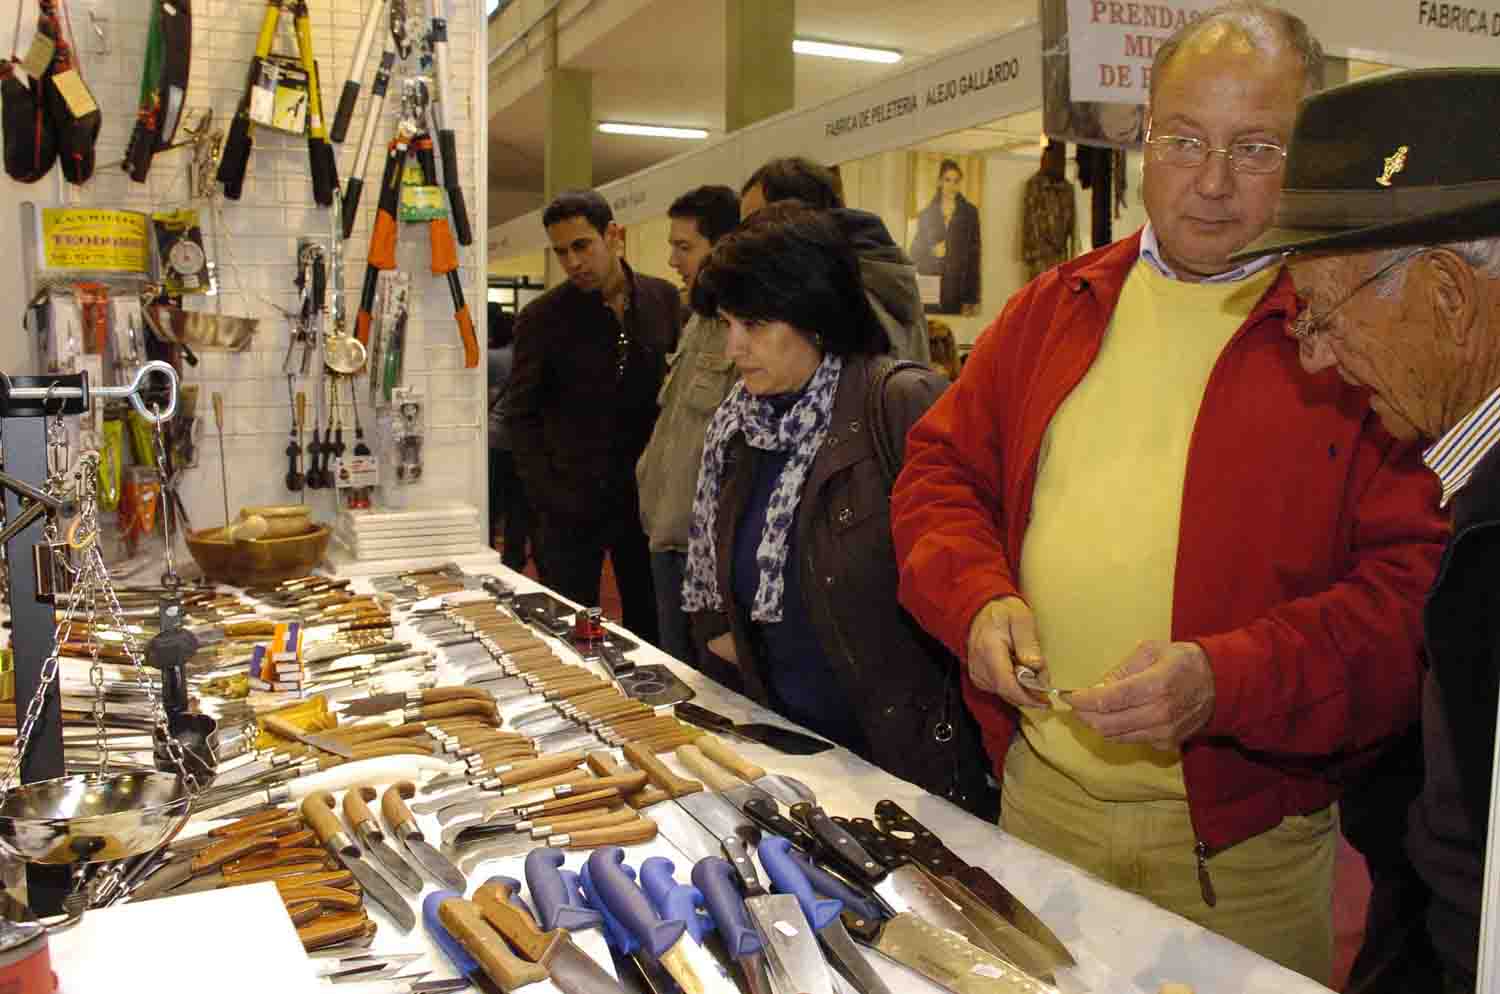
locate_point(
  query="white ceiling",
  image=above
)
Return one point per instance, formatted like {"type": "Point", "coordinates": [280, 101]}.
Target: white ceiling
{"type": "Point", "coordinates": [647, 75]}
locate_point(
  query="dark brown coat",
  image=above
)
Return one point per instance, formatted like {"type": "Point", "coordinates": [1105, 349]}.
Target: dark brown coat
{"type": "Point", "coordinates": [890, 671]}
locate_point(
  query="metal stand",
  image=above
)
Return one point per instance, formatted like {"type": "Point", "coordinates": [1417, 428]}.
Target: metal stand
{"type": "Point", "coordinates": [23, 434]}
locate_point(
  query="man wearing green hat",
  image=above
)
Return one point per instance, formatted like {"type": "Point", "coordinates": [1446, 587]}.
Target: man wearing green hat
{"type": "Point", "coordinates": [1390, 221]}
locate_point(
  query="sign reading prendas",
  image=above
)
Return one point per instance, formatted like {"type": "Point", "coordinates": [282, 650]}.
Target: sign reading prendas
{"type": "Point", "coordinates": [1111, 44]}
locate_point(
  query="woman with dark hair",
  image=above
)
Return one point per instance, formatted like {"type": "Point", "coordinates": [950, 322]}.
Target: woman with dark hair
{"type": "Point", "coordinates": [790, 574]}
{"type": "Point", "coordinates": [947, 244]}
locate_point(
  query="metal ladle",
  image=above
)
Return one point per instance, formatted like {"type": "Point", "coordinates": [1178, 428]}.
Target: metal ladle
{"type": "Point", "coordinates": [342, 352]}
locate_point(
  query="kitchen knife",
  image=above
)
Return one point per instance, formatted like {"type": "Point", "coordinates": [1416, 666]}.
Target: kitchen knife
{"type": "Point", "coordinates": [560, 905]}
{"type": "Point", "coordinates": [183, 868]}
{"type": "Point", "coordinates": [781, 739]}
{"type": "Point", "coordinates": [663, 803]}
{"type": "Point", "coordinates": [581, 830]}
{"type": "Point", "coordinates": [504, 775]}
{"type": "Point", "coordinates": [735, 898]}
{"type": "Point", "coordinates": [625, 946]}
{"type": "Point", "coordinates": [386, 769]}
{"type": "Point", "coordinates": [466, 923]}
{"type": "Point", "coordinates": [457, 955]}
{"type": "Point", "coordinates": [569, 967]}
{"type": "Point", "coordinates": [478, 826]}
{"type": "Point", "coordinates": [367, 830]}
{"type": "Point", "coordinates": [403, 825]}
{"type": "Point", "coordinates": [667, 941]}
{"type": "Point", "coordinates": [498, 804]}
{"type": "Point", "coordinates": [927, 849]}
{"type": "Point", "coordinates": [277, 725]}
{"type": "Point", "coordinates": [1015, 946]}
{"type": "Point", "coordinates": [414, 699]}
{"type": "Point", "coordinates": [317, 810]}
{"type": "Point", "coordinates": [785, 789]}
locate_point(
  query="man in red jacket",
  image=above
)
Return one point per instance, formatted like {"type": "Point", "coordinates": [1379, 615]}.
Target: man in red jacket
{"type": "Point", "coordinates": [1133, 497]}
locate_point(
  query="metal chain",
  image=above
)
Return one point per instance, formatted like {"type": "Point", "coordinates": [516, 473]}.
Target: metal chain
{"type": "Point", "coordinates": [170, 579]}
{"type": "Point", "coordinates": [87, 481]}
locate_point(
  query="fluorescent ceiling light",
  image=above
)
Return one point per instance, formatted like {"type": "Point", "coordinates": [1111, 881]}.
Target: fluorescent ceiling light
{"type": "Point", "coordinates": [651, 130]}
{"type": "Point", "coordinates": [855, 53]}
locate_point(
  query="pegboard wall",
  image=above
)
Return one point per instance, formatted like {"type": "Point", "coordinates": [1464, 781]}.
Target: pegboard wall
{"type": "Point", "coordinates": [254, 239]}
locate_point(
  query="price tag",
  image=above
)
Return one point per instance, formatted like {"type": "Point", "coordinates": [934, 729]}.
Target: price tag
{"type": "Point", "coordinates": [263, 92]}
{"type": "Point", "coordinates": [356, 471]}
{"type": "Point", "coordinates": [39, 55]}
{"type": "Point", "coordinates": [75, 93]}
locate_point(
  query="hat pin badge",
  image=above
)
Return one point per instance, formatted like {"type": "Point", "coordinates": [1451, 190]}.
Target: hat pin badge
{"type": "Point", "coordinates": [1394, 163]}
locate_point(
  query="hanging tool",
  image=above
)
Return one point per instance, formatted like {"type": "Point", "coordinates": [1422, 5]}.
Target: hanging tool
{"type": "Point", "coordinates": [294, 439]}
{"type": "Point", "coordinates": [350, 92]}
{"type": "Point", "coordinates": [223, 464]}
{"type": "Point", "coordinates": [447, 145]}
{"type": "Point", "coordinates": [164, 81]}
{"type": "Point", "coordinates": [382, 257]}
{"type": "Point", "coordinates": [396, 44]}
{"type": "Point", "coordinates": [311, 283]}
{"type": "Point", "coordinates": [260, 89]}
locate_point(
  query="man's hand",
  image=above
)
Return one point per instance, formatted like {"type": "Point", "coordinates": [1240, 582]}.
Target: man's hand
{"type": "Point", "coordinates": [723, 647]}
{"type": "Point", "coordinates": [1161, 695]}
{"type": "Point", "coordinates": [1002, 635]}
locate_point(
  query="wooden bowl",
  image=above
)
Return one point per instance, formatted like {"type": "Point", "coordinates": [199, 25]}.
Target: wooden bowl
{"type": "Point", "coordinates": [257, 562]}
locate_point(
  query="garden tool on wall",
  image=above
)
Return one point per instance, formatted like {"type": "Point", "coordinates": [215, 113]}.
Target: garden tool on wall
{"type": "Point", "coordinates": [411, 136]}
{"type": "Point", "coordinates": [441, 104]}
{"type": "Point", "coordinates": [298, 404]}
{"type": "Point", "coordinates": [164, 80]}
{"type": "Point", "coordinates": [396, 42]}
{"type": "Point", "coordinates": [259, 104]}
{"type": "Point", "coordinates": [350, 92]}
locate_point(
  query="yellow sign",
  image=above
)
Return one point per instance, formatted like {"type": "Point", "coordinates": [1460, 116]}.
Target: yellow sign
{"type": "Point", "coordinates": [96, 240]}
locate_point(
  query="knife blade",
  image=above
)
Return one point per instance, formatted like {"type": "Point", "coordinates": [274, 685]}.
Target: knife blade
{"type": "Point", "coordinates": [357, 813]}
{"type": "Point", "coordinates": [899, 883]}
{"type": "Point", "coordinates": [688, 963]}
{"type": "Point", "coordinates": [781, 739]}
{"type": "Point", "coordinates": [759, 783]}
{"type": "Point", "coordinates": [317, 810]}
{"type": "Point", "coordinates": [946, 959]}
{"type": "Point", "coordinates": [277, 725]}
{"type": "Point", "coordinates": [927, 849]}
{"type": "Point", "coordinates": [1004, 938]}
{"type": "Point", "coordinates": [662, 802]}
{"type": "Point", "coordinates": [570, 968]}
{"type": "Point", "coordinates": [404, 825]}
{"type": "Point", "coordinates": [762, 931]}
{"type": "Point", "coordinates": [560, 905]}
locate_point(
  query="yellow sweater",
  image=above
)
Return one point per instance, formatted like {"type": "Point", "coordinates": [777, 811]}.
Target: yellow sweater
{"type": "Point", "coordinates": [1100, 552]}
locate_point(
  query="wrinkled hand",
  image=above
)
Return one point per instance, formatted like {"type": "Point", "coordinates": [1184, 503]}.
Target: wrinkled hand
{"type": "Point", "coordinates": [1002, 635]}
{"type": "Point", "coordinates": [723, 647]}
{"type": "Point", "coordinates": [1161, 695]}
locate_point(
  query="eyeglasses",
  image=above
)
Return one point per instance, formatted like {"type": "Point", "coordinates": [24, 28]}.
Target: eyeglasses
{"type": "Point", "coordinates": [1307, 326]}
{"type": "Point", "coordinates": [1255, 158]}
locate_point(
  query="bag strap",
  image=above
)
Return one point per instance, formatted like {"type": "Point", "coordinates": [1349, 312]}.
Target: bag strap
{"type": "Point", "coordinates": [887, 449]}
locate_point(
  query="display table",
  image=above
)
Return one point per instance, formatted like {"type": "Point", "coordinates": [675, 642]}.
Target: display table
{"type": "Point", "coordinates": [1123, 944]}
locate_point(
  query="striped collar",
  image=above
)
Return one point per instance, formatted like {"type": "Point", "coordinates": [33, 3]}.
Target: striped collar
{"type": "Point", "coordinates": [1454, 456]}
{"type": "Point", "coordinates": [1151, 252]}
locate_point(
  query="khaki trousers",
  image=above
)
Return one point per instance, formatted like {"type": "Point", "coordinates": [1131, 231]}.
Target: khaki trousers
{"type": "Point", "coordinates": [1275, 891]}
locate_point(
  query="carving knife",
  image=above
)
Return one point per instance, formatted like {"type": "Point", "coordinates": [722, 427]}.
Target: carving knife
{"type": "Point", "coordinates": [570, 968]}
{"type": "Point", "coordinates": [317, 810]}
{"type": "Point", "coordinates": [667, 941]}
{"type": "Point", "coordinates": [560, 905]}
{"type": "Point", "coordinates": [467, 967]}
{"type": "Point", "coordinates": [781, 739]}
{"type": "Point", "coordinates": [404, 826]}
{"type": "Point", "coordinates": [492, 804]}
{"type": "Point", "coordinates": [582, 830]}
{"type": "Point", "coordinates": [787, 790]}
{"type": "Point", "coordinates": [900, 883]}
{"type": "Point", "coordinates": [929, 850]}
{"type": "Point", "coordinates": [626, 947]}
{"type": "Point", "coordinates": [367, 830]}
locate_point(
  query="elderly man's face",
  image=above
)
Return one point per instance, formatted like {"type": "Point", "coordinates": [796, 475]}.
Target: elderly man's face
{"type": "Point", "coordinates": [1222, 91]}
{"type": "Point", "coordinates": [1376, 335]}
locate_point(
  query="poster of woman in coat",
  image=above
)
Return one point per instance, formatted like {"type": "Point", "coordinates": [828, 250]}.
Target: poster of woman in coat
{"type": "Point", "coordinates": [946, 246]}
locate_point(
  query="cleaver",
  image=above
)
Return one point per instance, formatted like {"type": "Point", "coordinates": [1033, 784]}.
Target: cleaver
{"type": "Point", "coordinates": [781, 739]}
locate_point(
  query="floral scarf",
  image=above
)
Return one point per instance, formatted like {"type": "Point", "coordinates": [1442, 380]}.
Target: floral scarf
{"type": "Point", "coordinates": [801, 431]}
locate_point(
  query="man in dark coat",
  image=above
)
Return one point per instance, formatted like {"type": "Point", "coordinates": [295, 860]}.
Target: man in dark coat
{"type": "Point", "coordinates": [1390, 214]}
{"type": "Point", "coordinates": [590, 357]}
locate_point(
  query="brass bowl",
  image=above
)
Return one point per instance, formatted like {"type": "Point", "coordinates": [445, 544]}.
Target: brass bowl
{"type": "Point", "coordinates": [257, 562]}
{"type": "Point", "coordinates": [89, 819]}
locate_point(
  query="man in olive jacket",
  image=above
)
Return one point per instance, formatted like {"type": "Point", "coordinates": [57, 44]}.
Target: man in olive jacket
{"type": "Point", "coordinates": [590, 357]}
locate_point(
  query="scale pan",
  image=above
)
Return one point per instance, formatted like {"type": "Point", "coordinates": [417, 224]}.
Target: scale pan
{"type": "Point", "coordinates": [88, 818]}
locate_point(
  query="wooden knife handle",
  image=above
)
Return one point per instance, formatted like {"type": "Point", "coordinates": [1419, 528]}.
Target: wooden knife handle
{"type": "Point", "coordinates": [507, 754]}
{"type": "Point", "coordinates": [280, 857]}
{"type": "Point", "coordinates": [317, 811]}
{"type": "Point", "coordinates": [357, 806]}
{"type": "Point", "coordinates": [493, 901]}
{"type": "Point", "coordinates": [232, 848]}
{"type": "Point", "coordinates": [642, 758]}
{"type": "Point", "coordinates": [714, 748]}
{"type": "Point", "coordinates": [296, 840]}
{"type": "Point", "coordinates": [340, 879]}
{"type": "Point", "coordinates": [627, 781]}
{"type": "Point", "coordinates": [602, 762]}
{"type": "Point", "coordinates": [331, 898]}
{"type": "Point", "coordinates": [577, 802]}
{"type": "Point", "coordinates": [440, 695]}
{"type": "Point", "coordinates": [330, 929]}
{"type": "Point", "coordinates": [276, 872]}
{"type": "Point", "coordinates": [466, 923]}
{"type": "Point", "coordinates": [352, 735]}
{"type": "Point", "coordinates": [538, 768]}
{"type": "Point", "coordinates": [715, 777]}
{"type": "Point", "coordinates": [303, 912]}
{"type": "Point", "coordinates": [391, 747]}
{"type": "Point", "coordinates": [583, 820]}
{"type": "Point", "coordinates": [575, 690]}
{"type": "Point", "coordinates": [557, 780]}
{"type": "Point", "coordinates": [626, 834]}
{"type": "Point", "coordinates": [277, 821]}
{"type": "Point", "coordinates": [393, 803]}
{"type": "Point", "coordinates": [483, 710]}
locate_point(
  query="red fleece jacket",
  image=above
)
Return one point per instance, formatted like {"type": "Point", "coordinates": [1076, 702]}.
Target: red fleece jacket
{"type": "Point", "coordinates": [1309, 538]}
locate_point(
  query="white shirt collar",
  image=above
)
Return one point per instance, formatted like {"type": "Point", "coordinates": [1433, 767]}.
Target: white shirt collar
{"type": "Point", "coordinates": [1151, 252]}
{"type": "Point", "coordinates": [1454, 456]}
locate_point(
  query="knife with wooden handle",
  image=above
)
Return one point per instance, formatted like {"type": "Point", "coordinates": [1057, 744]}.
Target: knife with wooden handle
{"type": "Point", "coordinates": [466, 923]}
{"type": "Point", "coordinates": [328, 930]}
{"type": "Point", "coordinates": [404, 825]}
{"type": "Point", "coordinates": [321, 896]}
{"type": "Point", "coordinates": [357, 813]}
{"type": "Point", "coordinates": [317, 809]}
